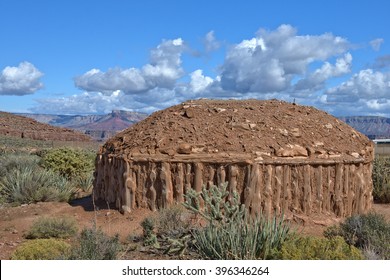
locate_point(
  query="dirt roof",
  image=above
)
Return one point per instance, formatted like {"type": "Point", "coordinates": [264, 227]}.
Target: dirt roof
{"type": "Point", "coordinates": [262, 129]}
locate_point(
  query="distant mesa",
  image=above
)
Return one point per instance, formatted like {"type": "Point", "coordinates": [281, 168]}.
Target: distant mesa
{"type": "Point", "coordinates": [98, 127]}
{"type": "Point", "coordinates": [373, 126]}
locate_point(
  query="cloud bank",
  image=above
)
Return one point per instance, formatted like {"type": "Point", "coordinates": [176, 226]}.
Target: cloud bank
{"type": "Point", "coordinates": [276, 63]}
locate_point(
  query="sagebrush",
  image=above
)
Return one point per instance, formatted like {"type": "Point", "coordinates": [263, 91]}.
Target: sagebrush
{"type": "Point", "coordinates": [381, 180]}
{"type": "Point", "coordinates": [52, 227]}
{"type": "Point", "coordinates": [369, 232]}
{"type": "Point", "coordinates": [94, 244]}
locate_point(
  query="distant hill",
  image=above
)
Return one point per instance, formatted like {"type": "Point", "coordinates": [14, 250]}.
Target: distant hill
{"type": "Point", "coordinates": [102, 127]}
{"type": "Point", "coordinates": [24, 127]}
{"type": "Point", "coordinates": [372, 126]}
{"type": "Point", "coordinates": [99, 127]}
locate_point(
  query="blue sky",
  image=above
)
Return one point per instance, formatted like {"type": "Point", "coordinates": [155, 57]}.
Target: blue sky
{"type": "Point", "coordinates": [83, 57]}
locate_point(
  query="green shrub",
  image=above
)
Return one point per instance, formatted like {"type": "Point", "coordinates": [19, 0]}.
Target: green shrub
{"type": "Point", "coordinates": [315, 248]}
{"type": "Point", "coordinates": [41, 249]}
{"type": "Point", "coordinates": [369, 232]}
{"type": "Point", "coordinates": [69, 162]}
{"type": "Point", "coordinates": [96, 245]}
{"type": "Point", "coordinates": [32, 184]}
{"type": "Point", "coordinates": [48, 227]}
{"type": "Point", "coordinates": [231, 233]}
{"type": "Point", "coordinates": [381, 180]}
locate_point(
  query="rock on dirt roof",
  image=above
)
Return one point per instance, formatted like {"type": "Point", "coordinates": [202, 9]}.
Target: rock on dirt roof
{"type": "Point", "coordinates": [262, 129]}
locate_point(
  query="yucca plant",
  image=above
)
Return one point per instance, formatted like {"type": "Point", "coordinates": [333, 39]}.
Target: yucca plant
{"type": "Point", "coordinates": [31, 184]}
{"type": "Point", "coordinates": [9, 162]}
{"type": "Point", "coordinates": [84, 182]}
{"type": "Point", "coordinates": [231, 233]}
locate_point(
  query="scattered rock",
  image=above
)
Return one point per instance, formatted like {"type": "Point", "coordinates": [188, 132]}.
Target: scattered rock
{"type": "Point", "coordinates": [355, 155]}
{"type": "Point", "coordinates": [184, 148]}
{"type": "Point", "coordinates": [329, 126]}
{"type": "Point", "coordinates": [189, 113]}
{"type": "Point", "coordinates": [283, 131]}
{"type": "Point", "coordinates": [292, 151]}
{"type": "Point", "coordinates": [296, 132]}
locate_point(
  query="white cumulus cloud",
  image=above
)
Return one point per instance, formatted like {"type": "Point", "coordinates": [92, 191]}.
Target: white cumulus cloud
{"type": "Point", "coordinates": [269, 62]}
{"type": "Point", "coordinates": [20, 80]}
{"type": "Point", "coordinates": [319, 76]}
{"type": "Point", "coordinates": [365, 85]}
{"type": "Point", "coordinates": [199, 82]}
{"type": "Point", "coordinates": [162, 72]}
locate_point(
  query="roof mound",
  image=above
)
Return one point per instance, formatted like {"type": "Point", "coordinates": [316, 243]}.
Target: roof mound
{"type": "Point", "coordinates": [258, 129]}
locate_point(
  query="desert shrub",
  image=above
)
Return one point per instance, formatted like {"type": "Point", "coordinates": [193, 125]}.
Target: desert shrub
{"type": "Point", "coordinates": [31, 184]}
{"type": "Point", "coordinates": [172, 221]}
{"type": "Point", "coordinates": [9, 162]}
{"type": "Point", "coordinates": [41, 249]}
{"type": "Point", "coordinates": [149, 236]}
{"type": "Point", "coordinates": [381, 180]}
{"type": "Point", "coordinates": [50, 227]}
{"type": "Point", "coordinates": [369, 232]}
{"type": "Point", "coordinates": [69, 162]}
{"type": "Point", "coordinates": [316, 248]}
{"type": "Point", "coordinates": [94, 244]}
{"type": "Point", "coordinates": [231, 233]}
{"type": "Point", "coordinates": [84, 182]}
{"type": "Point", "coordinates": [168, 230]}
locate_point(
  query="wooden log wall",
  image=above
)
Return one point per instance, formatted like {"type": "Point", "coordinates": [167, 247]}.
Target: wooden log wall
{"type": "Point", "coordinates": [337, 188]}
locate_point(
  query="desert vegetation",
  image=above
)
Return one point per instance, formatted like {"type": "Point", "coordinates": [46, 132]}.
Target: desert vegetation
{"type": "Point", "coordinates": [381, 179]}
{"type": "Point", "coordinates": [211, 224]}
{"type": "Point", "coordinates": [56, 174]}
{"type": "Point", "coordinates": [223, 229]}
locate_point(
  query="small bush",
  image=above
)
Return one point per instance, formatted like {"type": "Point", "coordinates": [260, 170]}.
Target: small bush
{"type": "Point", "coordinates": [172, 221]}
{"type": "Point", "coordinates": [69, 162]}
{"type": "Point", "coordinates": [231, 233]}
{"type": "Point", "coordinates": [381, 180]}
{"type": "Point", "coordinates": [42, 249]}
{"type": "Point", "coordinates": [96, 245]}
{"type": "Point", "coordinates": [32, 184]}
{"type": "Point", "coordinates": [150, 238]}
{"type": "Point", "coordinates": [315, 248]}
{"type": "Point", "coordinates": [369, 232]}
{"type": "Point", "coordinates": [52, 228]}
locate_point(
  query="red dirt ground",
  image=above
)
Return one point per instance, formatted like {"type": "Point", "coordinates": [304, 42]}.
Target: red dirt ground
{"type": "Point", "coordinates": [16, 221]}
